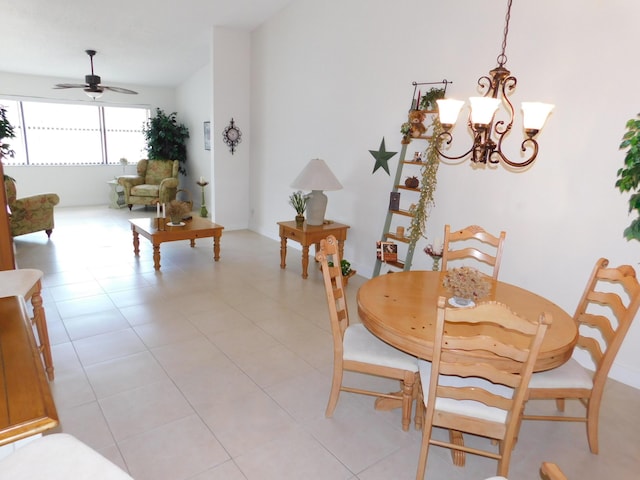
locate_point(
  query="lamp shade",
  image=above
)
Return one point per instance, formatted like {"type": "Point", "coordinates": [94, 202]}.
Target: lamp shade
{"type": "Point", "coordinates": [316, 176]}
{"type": "Point", "coordinates": [482, 109]}
{"type": "Point", "coordinates": [534, 114]}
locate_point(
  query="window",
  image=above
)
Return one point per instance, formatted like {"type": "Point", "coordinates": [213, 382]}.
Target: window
{"type": "Point", "coordinates": [73, 134]}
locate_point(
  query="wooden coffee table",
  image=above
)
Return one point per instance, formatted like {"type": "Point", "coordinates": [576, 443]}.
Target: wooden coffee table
{"type": "Point", "coordinates": [197, 227]}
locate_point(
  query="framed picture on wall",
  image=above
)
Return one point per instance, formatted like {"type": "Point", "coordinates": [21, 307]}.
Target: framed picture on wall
{"type": "Point", "coordinates": [207, 135]}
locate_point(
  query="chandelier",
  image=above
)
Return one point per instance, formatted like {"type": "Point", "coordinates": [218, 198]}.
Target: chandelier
{"type": "Point", "coordinates": [488, 133]}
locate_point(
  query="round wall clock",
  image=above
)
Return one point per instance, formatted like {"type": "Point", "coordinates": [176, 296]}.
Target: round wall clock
{"type": "Point", "coordinates": [232, 136]}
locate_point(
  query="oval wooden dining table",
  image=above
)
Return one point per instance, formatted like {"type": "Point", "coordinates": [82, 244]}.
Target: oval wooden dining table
{"type": "Point", "coordinates": [400, 308]}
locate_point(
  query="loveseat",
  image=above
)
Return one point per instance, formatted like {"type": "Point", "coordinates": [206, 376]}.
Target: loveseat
{"type": "Point", "coordinates": [30, 214]}
{"type": "Point", "coordinates": [156, 181]}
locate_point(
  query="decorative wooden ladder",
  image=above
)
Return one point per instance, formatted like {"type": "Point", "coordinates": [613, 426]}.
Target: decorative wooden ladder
{"type": "Point", "coordinates": [409, 245]}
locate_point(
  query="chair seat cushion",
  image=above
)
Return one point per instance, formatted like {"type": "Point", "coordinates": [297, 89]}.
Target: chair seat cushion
{"type": "Point", "coordinates": [360, 345]}
{"type": "Point", "coordinates": [59, 457]}
{"type": "Point", "coordinates": [569, 375]}
{"type": "Point", "coordinates": [18, 282]}
{"type": "Point", "coordinates": [145, 190]}
{"type": "Point", "coordinates": [469, 408]}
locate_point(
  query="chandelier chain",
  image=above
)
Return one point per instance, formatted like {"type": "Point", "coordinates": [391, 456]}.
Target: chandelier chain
{"type": "Point", "coordinates": [502, 58]}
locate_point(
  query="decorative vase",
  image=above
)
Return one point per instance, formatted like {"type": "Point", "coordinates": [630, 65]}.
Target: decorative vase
{"type": "Point", "coordinates": [299, 220]}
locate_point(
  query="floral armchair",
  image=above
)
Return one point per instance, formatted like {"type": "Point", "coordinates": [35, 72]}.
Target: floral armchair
{"type": "Point", "coordinates": [156, 181]}
{"type": "Point", "coordinates": [30, 214]}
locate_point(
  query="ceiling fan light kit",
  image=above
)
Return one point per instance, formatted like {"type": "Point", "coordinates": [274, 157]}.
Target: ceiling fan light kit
{"type": "Point", "coordinates": [92, 86]}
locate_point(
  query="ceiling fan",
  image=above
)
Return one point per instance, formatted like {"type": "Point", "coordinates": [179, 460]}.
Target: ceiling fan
{"type": "Point", "coordinates": [92, 85]}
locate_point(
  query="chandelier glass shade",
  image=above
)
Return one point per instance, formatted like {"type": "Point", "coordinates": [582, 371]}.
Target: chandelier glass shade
{"type": "Point", "coordinates": [488, 132]}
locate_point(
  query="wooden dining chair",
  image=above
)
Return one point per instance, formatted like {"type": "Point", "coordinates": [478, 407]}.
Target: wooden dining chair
{"type": "Point", "coordinates": [551, 471]}
{"type": "Point", "coordinates": [601, 337]}
{"type": "Point", "coordinates": [27, 282]}
{"type": "Point", "coordinates": [356, 349]}
{"type": "Point", "coordinates": [483, 398]}
{"type": "Point", "coordinates": [472, 239]}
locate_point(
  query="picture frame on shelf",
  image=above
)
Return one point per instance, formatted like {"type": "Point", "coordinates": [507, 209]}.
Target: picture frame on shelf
{"type": "Point", "coordinates": [207, 135]}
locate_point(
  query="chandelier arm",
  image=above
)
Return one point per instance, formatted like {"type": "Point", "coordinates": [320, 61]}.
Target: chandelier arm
{"type": "Point", "coordinates": [446, 138]}
{"type": "Point", "coordinates": [523, 147]}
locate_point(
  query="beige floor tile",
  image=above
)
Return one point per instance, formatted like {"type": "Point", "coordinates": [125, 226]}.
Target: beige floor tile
{"type": "Point", "coordinates": [262, 421]}
{"type": "Point", "coordinates": [173, 451]}
{"type": "Point", "coordinates": [124, 373]}
{"type": "Point", "coordinates": [91, 324]}
{"type": "Point", "coordinates": [135, 411]}
{"type": "Point", "coordinates": [107, 346]}
{"type": "Point", "coordinates": [291, 456]}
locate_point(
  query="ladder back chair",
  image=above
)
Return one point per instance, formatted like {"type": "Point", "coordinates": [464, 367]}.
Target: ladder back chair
{"type": "Point", "coordinates": [473, 238]}
{"type": "Point", "coordinates": [551, 471]}
{"type": "Point", "coordinates": [356, 349]}
{"type": "Point", "coordinates": [601, 337]}
{"type": "Point", "coordinates": [485, 398]}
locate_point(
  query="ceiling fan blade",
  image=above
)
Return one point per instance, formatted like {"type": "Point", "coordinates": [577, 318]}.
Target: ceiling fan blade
{"type": "Point", "coordinates": [70, 85]}
{"type": "Point", "coordinates": [120, 90]}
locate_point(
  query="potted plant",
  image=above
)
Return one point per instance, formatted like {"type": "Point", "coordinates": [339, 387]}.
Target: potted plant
{"type": "Point", "coordinates": [345, 268]}
{"type": "Point", "coordinates": [6, 131]}
{"type": "Point", "coordinates": [428, 101]}
{"type": "Point", "coordinates": [405, 130]}
{"type": "Point", "coordinates": [629, 175]}
{"type": "Point", "coordinates": [299, 203]}
{"type": "Point", "coordinates": [166, 139]}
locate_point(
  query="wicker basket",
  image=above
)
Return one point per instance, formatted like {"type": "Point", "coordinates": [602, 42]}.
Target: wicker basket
{"type": "Point", "coordinates": [186, 197]}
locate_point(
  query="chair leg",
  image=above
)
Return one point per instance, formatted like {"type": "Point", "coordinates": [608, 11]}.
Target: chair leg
{"type": "Point", "coordinates": [40, 321]}
{"type": "Point", "coordinates": [407, 399]}
{"type": "Point", "coordinates": [424, 450]}
{"type": "Point", "coordinates": [130, 205]}
{"type": "Point", "coordinates": [560, 404]}
{"type": "Point", "coordinates": [336, 383]}
{"type": "Point", "coordinates": [48, 232]}
{"type": "Point", "coordinates": [593, 411]}
{"type": "Point", "coordinates": [418, 397]}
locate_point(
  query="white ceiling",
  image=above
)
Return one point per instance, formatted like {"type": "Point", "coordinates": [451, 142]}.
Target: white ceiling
{"type": "Point", "coordinates": [139, 42]}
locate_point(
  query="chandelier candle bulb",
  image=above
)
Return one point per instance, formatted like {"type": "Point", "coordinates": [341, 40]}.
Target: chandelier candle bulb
{"type": "Point", "coordinates": [534, 115]}
{"type": "Point", "coordinates": [449, 110]}
{"type": "Point", "coordinates": [483, 109]}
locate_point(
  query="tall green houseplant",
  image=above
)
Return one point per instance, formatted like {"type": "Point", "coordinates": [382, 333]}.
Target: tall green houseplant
{"type": "Point", "coordinates": [629, 175]}
{"type": "Point", "coordinates": [166, 138]}
{"type": "Point", "coordinates": [6, 131]}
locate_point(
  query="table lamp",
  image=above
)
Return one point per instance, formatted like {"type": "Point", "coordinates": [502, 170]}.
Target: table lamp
{"type": "Point", "coordinates": [316, 177]}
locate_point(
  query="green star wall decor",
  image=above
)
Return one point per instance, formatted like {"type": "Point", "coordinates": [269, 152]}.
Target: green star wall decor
{"type": "Point", "coordinates": [382, 157]}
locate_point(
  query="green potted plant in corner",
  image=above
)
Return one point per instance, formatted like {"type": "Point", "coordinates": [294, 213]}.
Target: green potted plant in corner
{"type": "Point", "coordinates": [629, 175]}
{"type": "Point", "coordinates": [299, 203]}
{"type": "Point", "coordinates": [166, 138]}
{"type": "Point", "coordinates": [6, 131]}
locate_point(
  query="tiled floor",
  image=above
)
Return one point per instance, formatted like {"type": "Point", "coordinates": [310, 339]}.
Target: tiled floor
{"type": "Point", "coordinates": [221, 370]}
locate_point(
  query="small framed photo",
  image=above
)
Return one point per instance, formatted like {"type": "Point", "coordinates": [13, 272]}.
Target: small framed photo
{"type": "Point", "coordinates": [207, 135]}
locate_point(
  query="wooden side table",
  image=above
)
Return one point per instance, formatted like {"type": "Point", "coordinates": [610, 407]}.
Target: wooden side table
{"type": "Point", "coordinates": [307, 235]}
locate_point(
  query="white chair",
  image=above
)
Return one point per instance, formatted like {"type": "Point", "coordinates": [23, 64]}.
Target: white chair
{"type": "Point", "coordinates": [59, 456]}
{"type": "Point", "coordinates": [601, 333]}
{"type": "Point", "coordinates": [27, 283]}
{"type": "Point", "coordinates": [482, 398]}
{"type": "Point", "coordinates": [358, 350]}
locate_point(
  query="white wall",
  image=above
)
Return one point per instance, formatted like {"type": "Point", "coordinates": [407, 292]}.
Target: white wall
{"type": "Point", "coordinates": [331, 85]}
{"type": "Point", "coordinates": [231, 99]}
{"type": "Point", "coordinates": [194, 99]}
{"type": "Point", "coordinates": [76, 185]}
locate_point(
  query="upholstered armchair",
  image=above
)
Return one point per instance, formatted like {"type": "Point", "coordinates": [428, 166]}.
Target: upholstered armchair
{"type": "Point", "coordinates": [30, 214]}
{"type": "Point", "coordinates": [156, 181]}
